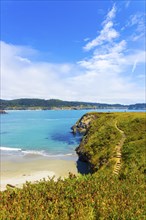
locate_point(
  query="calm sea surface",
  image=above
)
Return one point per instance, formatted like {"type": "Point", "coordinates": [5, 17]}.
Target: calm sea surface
{"type": "Point", "coordinates": [46, 133]}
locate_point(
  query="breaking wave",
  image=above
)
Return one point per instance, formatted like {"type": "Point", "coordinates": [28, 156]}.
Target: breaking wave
{"type": "Point", "coordinates": [20, 151]}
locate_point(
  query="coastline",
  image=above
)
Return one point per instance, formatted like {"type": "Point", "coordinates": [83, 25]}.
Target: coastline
{"type": "Point", "coordinates": [17, 171]}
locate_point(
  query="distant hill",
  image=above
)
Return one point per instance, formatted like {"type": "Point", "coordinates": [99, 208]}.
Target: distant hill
{"type": "Point", "coordinates": [59, 104]}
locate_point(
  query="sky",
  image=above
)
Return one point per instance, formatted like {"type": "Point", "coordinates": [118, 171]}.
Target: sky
{"type": "Point", "coordinates": [92, 51]}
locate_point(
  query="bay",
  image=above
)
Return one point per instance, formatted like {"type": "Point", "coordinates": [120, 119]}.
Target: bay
{"type": "Point", "coordinates": [46, 133]}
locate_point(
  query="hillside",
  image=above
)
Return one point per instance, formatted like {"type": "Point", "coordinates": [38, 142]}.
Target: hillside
{"type": "Point", "coordinates": [22, 104]}
{"type": "Point", "coordinates": [107, 133]}
{"type": "Point", "coordinates": [110, 192]}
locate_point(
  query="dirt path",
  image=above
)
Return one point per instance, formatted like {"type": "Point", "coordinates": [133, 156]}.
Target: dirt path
{"type": "Point", "coordinates": [118, 148]}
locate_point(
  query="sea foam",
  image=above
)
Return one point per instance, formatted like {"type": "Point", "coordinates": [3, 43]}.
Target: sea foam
{"type": "Point", "coordinates": [10, 149]}
{"type": "Point", "coordinates": [20, 151]}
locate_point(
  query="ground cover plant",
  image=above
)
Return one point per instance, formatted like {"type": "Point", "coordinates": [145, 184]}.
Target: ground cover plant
{"type": "Point", "coordinates": [100, 195]}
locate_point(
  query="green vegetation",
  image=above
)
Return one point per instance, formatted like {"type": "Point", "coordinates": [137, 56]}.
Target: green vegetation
{"type": "Point", "coordinates": [133, 151]}
{"type": "Point", "coordinates": [98, 144]}
{"type": "Point", "coordinates": [33, 104]}
{"type": "Point", "coordinates": [101, 195]}
{"type": "Point", "coordinates": [86, 197]}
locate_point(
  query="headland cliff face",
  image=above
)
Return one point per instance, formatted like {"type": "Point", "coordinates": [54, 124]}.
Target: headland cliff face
{"type": "Point", "coordinates": [3, 112]}
{"type": "Point", "coordinates": [83, 124]}
{"type": "Point", "coordinates": [81, 127]}
{"type": "Point", "coordinates": [105, 134]}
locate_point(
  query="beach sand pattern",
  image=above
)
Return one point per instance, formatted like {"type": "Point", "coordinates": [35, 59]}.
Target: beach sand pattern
{"type": "Point", "coordinates": [16, 173]}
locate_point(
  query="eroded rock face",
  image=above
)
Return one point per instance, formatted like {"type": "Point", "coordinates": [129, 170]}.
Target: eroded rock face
{"type": "Point", "coordinates": [81, 154]}
{"type": "Point", "coordinates": [82, 127]}
{"type": "Point", "coordinates": [3, 112]}
{"type": "Point", "coordinates": [83, 124]}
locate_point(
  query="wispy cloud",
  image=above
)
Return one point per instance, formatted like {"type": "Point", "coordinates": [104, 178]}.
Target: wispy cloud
{"type": "Point", "coordinates": [137, 22]}
{"type": "Point", "coordinates": [127, 4]}
{"type": "Point", "coordinates": [97, 79]}
{"type": "Point", "coordinates": [107, 34]}
{"type": "Point", "coordinates": [111, 14]}
{"type": "Point", "coordinates": [134, 66]}
{"type": "Point", "coordinates": [104, 76]}
{"type": "Point", "coordinates": [86, 39]}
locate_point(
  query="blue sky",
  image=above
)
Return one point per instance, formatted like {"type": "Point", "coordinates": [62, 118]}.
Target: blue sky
{"type": "Point", "coordinates": [73, 50]}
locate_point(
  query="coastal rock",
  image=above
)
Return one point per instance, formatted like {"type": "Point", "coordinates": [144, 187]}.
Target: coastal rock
{"type": "Point", "coordinates": [3, 112]}
{"type": "Point", "coordinates": [81, 127]}
{"type": "Point", "coordinates": [83, 124]}
{"type": "Point", "coordinates": [81, 154]}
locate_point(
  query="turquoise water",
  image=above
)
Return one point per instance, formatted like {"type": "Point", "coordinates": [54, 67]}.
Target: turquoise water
{"type": "Point", "coordinates": [46, 133]}
{"type": "Point", "coordinates": [39, 132]}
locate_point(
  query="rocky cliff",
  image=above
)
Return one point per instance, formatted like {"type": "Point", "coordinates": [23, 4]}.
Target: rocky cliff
{"type": "Point", "coordinates": [3, 112]}
{"type": "Point", "coordinates": [82, 126]}
{"type": "Point", "coordinates": [104, 135]}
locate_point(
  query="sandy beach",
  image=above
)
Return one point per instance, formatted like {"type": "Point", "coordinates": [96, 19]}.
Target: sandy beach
{"type": "Point", "coordinates": [16, 171]}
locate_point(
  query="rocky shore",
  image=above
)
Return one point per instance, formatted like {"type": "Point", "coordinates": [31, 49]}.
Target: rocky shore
{"type": "Point", "coordinates": [3, 112]}
{"type": "Point", "coordinates": [81, 127]}
{"type": "Point", "coordinates": [83, 124]}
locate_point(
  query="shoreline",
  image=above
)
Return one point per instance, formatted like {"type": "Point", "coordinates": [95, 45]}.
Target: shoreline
{"type": "Point", "coordinates": [17, 171]}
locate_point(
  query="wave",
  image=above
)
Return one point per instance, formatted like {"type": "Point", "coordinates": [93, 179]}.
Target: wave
{"type": "Point", "coordinates": [10, 149]}
{"type": "Point", "coordinates": [34, 152]}
{"type": "Point", "coordinates": [45, 154]}
{"type": "Point", "coordinates": [13, 151]}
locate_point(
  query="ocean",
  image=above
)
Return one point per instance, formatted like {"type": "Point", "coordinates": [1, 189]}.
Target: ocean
{"type": "Point", "coordinates": [46, 133]}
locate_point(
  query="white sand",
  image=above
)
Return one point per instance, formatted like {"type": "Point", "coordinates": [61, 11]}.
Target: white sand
{"type": "Point", "coordinates": [18, 172]}
{"type": "Point", "coordinates": [18, 181]}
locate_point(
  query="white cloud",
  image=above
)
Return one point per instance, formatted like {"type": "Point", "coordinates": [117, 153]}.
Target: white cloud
{"type": "Point", "coordinates": [134, 66]}
{"type": "Point", "coordinates": [103, 77]}
{"type": "Point", "coordinates": [86, 39]}
{"type": "Point", "coordinates": [127, 4]}
{"type": "Point", "coordinates": [136, 37]}
{"type": "Point", "coordinates": [23, 78]}
{"type": "Point", "coordinates": [98, 79]}
{"type": "Point", "coordinates": [25, 60]}
{"type": "Point", "coordinates": [111, 14]}
{"type": "Point", "coordinates": [137, 21]}
{"type": "Point", "coordinates": [107, 34]}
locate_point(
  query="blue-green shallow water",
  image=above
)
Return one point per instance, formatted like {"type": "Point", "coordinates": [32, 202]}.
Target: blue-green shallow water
{"type": "Point", "coordinates": [46, 133]}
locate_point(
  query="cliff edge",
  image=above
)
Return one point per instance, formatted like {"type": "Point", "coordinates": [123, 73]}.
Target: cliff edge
{"type": "Point", "coordinates": [103, 133]}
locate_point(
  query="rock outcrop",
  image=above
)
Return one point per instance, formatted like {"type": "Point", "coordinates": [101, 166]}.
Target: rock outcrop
{"type": "Point", "coordinates": [82, 127]}
{"type": "Point", "coordinates": [83, 124]}
{"type": "Point", "coordinates": [3, 112]}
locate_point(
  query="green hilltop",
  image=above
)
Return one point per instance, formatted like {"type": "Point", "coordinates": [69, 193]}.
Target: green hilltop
{"type": "Point", "coordinates": [24, 104]}
{"type": "Point", "coordinates": [114, 146]}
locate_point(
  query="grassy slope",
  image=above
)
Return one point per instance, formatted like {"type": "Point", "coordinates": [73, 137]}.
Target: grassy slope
{"type": "Point", "coordinates": [101, 195]}
{"type": "Point", "coordinates": [102, 137]}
